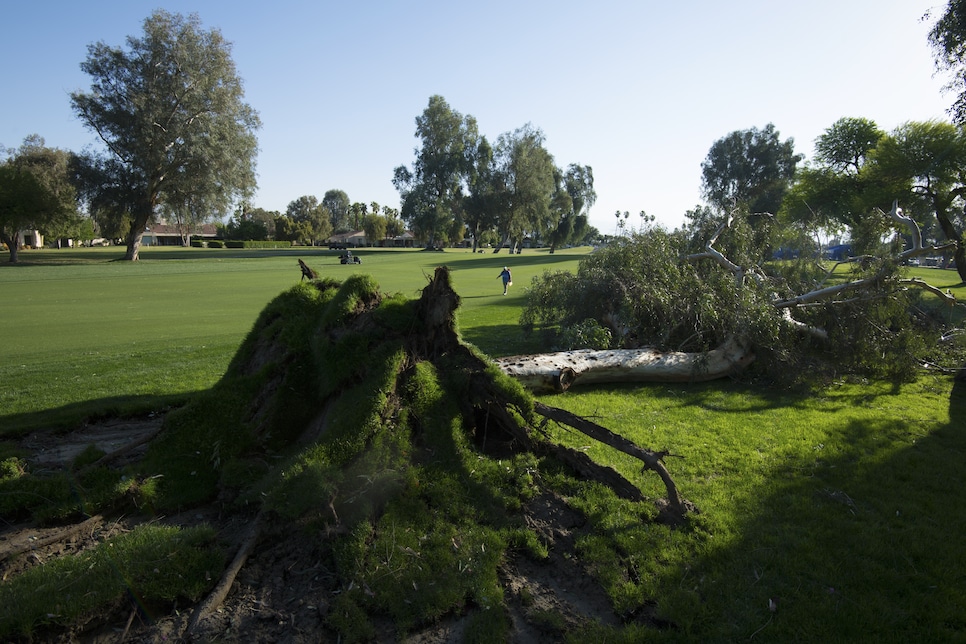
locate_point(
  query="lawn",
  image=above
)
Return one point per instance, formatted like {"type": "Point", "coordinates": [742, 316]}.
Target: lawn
{"type": "Point", "coordinates": [78, 327]}
{"type": "Point", "coordinates": [824, 516]}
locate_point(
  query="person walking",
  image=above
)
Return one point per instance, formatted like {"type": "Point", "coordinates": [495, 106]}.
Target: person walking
{"type": "Point", "coordinates": [506, 277]}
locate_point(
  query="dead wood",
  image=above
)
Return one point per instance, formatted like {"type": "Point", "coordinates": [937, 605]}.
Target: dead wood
{"type": "Point", "coordinates": [220, 592]}
{"type": "Point", "coordinates": [53, 538]}
{"type": "Point", "coordinates": [438, 305]}
{"type": "Point", "coordinates": [652, 460]}
{"type": "Point", "coordinates": [562, 370]}
{"type": "Point", "coordinates": [307, 271]}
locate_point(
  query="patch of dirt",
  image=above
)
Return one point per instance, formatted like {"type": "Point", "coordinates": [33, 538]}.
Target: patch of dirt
{"type": "Point", "coordinates": [56, 451]}
{"type": "Point", "coordinates": [283, 593]}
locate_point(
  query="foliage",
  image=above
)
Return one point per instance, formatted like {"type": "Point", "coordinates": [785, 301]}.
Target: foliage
{"type": "Point", "coordinates": [529, 176]}
{"type": "Point", "coordinates": [306, 221]}
{"type": "Point", "coordinates": [645, 295]}
{"type": "Point", "coordinates": [337, 203]}
{"type": "Point", "coordinates": [749, 169]}
{"type": "Point", "coordinates": [948, 40]}
{"type": "Point", "coordinates": [589, 334]}
{"type": "Point", "coordinates": [170, 111]}
{"type": "Point", "coordinates": [931, 157]}
{"type": "Point", "coordinates": [251, 224]}
{"type": "Point", "coordinates": [646, 292]}
{"type": "Point", "coordinates": [460, 183]}
{"type": "Point", "coordinates": [430, 190]}
{"type": "Point", "coordinates": [571, 206]}
{"type": "Point", "coordinates": [36, 193]}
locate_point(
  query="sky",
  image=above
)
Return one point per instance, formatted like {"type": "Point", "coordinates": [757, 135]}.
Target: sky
{"type": "Point", "coordinates": [638, 90]}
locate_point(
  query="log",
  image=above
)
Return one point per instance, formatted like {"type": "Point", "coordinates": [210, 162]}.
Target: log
{"type": "Point", "coordinates": [562, 370]}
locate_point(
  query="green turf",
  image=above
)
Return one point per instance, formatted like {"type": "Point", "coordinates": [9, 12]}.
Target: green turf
{"type": "Point", "coordinates": [77, 326]}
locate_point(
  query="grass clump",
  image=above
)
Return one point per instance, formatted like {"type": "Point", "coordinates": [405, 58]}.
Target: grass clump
{"type": "Point", "coordinates": [151, 565]}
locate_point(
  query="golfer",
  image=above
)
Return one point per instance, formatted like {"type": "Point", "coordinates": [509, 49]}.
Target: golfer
{"type": "Point", "coordinates": [506, 277]}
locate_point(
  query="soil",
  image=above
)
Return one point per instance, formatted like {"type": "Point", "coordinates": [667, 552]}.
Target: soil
{"type": "Point", "coordinates": [282, 593]}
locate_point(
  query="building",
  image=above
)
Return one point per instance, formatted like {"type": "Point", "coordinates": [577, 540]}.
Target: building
{"type": "Point", "coordinates": [168, 235]}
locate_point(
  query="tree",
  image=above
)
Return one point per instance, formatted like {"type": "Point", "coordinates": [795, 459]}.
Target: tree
{"type": "Point", "coordinates": [749, 169]}
{"type": "Point", "coordinates": [337, 203]}
{"type": "Point", "coordinates": [486, 189]}
{"type": "Point", "coordinates": [251, 224]}
{"type": "Point", "coordinates": [931, 155]}
{"type": "Point", "coordinates": [35, 193]}
{"type": "Point", "coordinates": [528, 171]}
{"type": "Point", "coordinates": [169, 109]}
{"type": "Point", "coordinates": [948, 40]}
{"type": "Point", "coordinates": [311, 220]}
{"type": "Point", "coordinates": [429, 191]}
{"type": "Point", "coordinates": [394, 226]}
{"type": "Point", "coordinates": [845, 146]}
{"type": "Point", "coordinates": [840, 190]}
{"type": "Point", "coordinates": [357, 212]}
{"type": "Point", "coordinates": [374, 226]}
{"type": "Point", "coordinates": [573, 211]}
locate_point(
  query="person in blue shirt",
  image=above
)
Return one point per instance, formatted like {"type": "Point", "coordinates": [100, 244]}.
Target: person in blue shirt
{"type": "Point", "coordinates": [507, 279]}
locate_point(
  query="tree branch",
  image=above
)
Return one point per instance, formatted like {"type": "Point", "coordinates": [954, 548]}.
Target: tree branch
{"type": "Point", "coordinates": [652, 460]}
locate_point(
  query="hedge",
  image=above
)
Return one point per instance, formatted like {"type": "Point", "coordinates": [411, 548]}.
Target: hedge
{"type": "Point", "coordinates": [257, 244]}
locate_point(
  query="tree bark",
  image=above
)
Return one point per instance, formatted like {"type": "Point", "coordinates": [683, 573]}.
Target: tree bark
{"type": "Point", "coordinates": [12, 245]}
{"type": "Point", "coordinates": [133, 244]}
{"type": "Point", "coordinates": [562, 370]}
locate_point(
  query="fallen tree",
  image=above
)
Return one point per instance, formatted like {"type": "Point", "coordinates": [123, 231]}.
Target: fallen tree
{"type": "Point", "coordinates": [560, 370]}
{"type": "Point", "coordinates": [679, 316]}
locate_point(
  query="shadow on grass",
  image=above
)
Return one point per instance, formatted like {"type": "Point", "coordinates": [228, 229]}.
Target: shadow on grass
{"type": "Point", "coordinates": [502, 340]}
{"type": "Point", "coordinates": [735, 397]}
{"type": "Point", "coordinates": [863, 545]}
{"type": "Point", "coordinates": [76, 414]}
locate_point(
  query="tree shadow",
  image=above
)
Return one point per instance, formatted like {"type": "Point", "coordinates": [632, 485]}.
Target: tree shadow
{"type": "Point", "coordinates": [862, 544]}
{"type": "Point", "coordinates": [68, 417]}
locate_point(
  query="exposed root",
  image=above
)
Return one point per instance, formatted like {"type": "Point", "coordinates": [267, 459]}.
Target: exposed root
{"type": "Point", "coordinates": [51, 539]}
{"type": "Point", "coordinates": [220, 592]}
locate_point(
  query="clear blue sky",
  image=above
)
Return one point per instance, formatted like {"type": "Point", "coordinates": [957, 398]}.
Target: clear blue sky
{"type": "Point", "coordinates": [639, 90]}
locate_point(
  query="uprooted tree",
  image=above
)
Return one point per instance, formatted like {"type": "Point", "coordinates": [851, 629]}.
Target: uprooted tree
{"type": "Point", "coordinates": [361, 421]}
{"type": "Point", "coordinates": [659, 308]}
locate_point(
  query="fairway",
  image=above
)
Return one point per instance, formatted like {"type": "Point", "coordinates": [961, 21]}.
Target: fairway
{"type": "Point", "coordinates": [78, 326]}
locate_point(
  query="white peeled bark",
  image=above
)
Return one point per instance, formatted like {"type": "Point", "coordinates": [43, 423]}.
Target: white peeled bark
{"type": "Point", "coordinates": [562, 370]}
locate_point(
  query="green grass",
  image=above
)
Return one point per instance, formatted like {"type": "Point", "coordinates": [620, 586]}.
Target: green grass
{"type": "Point", "coordinates": [146, 563]}
{"type": "Point", "coordinates": [844, 506]}
{"type": "Point", "coordinates": [78, 327]}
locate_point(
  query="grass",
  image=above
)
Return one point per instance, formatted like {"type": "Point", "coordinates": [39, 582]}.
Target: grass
{"type": "Point", "coordinates": [842, 508]}
{"type": "Point", "coordinates": [78, 327]}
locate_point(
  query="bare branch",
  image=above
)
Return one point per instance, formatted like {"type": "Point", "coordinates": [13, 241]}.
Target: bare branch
{"type": "Point", "coordinates": [945, 296]}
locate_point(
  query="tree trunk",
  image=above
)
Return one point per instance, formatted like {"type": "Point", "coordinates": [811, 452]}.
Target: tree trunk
{"type": "Point", "coordinates": [562, 370]}
{"type": "Point", "coordinates": [133, 245]}
{"type": "Point", "coordinates": [949, 230]}
{"type": "Point", "coordinates": [12, 245]}
{"type": "Point", "coordinates": [138, 228]}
